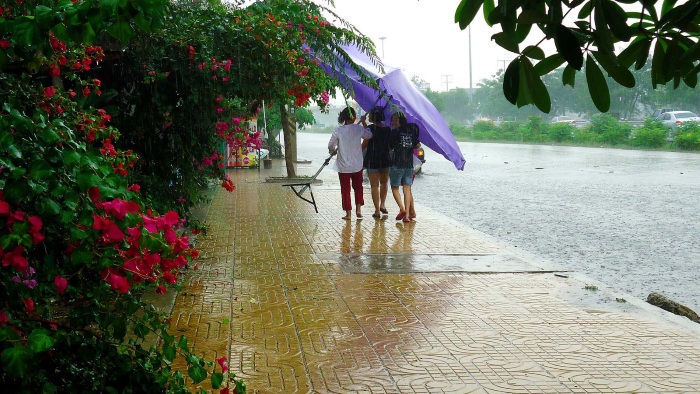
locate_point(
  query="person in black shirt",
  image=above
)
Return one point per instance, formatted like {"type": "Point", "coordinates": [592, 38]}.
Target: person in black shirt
{"type": "Point", "coordinates": [402, 142]}
{"type": "Point", "coordinates": [377, 160]}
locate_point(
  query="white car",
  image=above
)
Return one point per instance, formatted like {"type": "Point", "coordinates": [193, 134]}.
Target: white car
{"type": "Point", "coordinates": [673, 119]}
{"type": "Point", "coordinates": [564, 119]}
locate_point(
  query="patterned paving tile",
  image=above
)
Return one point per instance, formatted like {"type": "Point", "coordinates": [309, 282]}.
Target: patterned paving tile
{"type": "Point", "coordinates": [270, 292]}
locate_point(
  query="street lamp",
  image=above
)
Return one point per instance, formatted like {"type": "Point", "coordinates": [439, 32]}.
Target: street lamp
{"type": "Point", "coordinates": [382, 38]}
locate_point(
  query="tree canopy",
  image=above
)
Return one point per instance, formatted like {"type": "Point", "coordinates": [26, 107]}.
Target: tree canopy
{"type": "Point", "coordinates": [586, 33]}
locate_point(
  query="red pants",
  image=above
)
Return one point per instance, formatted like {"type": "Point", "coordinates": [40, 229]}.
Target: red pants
{"type": "Point", "coordinates": [345, 179]}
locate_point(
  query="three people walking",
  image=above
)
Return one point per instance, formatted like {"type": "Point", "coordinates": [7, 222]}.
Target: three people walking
{"type": "Point", "coordinates": [388, 157]}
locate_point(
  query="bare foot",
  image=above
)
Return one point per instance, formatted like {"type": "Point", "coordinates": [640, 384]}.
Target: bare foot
{"type": "Point", "coordinates": [346, 218]}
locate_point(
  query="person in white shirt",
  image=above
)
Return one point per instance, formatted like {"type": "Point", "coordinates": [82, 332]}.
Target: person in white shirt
{"type": "Point", "coordinates": [346, 141]}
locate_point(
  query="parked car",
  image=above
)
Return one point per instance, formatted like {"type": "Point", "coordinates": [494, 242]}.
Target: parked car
{"type": "Point", "coordinates": [564, 119]}
{"type": "Point", "coordinates": [673, 119]}
{"type": "Point", "coordinates": [660, 111]}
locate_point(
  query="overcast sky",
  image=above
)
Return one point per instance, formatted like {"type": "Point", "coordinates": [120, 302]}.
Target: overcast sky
{"type": "Point", "coordinates": [423, 40]}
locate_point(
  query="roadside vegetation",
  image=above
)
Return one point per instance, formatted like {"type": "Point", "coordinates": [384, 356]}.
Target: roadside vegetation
{"type": "Point", "coordinates": [603, 130]}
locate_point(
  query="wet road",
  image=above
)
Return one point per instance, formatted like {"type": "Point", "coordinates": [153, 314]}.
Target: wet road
{"type": "Point", "coordinates": [628, 219]}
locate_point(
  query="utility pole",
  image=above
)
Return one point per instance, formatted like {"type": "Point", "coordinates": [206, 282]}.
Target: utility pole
{"type": "Point", "coordinates": [470, 59]}
{"type": "Point", "coordinates": [446, 79]}
{"type": "Point", "coordinates": [382, 38]}
{"type": "Point", "coordinates": [498, 62]}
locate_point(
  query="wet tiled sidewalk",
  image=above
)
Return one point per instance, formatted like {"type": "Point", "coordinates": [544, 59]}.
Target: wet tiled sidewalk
{"type": "Point", "coordinates": [304, 302]}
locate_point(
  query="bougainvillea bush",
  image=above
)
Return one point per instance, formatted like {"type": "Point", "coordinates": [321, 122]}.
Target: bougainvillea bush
{"type": "Point", "coordinates": [78, 242]}
{"type": "Point", "coordinates": [113, 116]}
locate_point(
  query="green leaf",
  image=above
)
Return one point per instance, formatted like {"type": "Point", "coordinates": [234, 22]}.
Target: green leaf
{"type": "Point", "coordinates": [49, 136]}
{"type": "Point", "coordinates": [48, 206]}
{"type": "Point", "coordinates": [569, 76]}
{"type": "Point", "coordinates": [620, 74]}
{"type": "Point", "coordinates": [39, 340]}
{"type": "Point", "coordinates": [538, 90]}
{"type": "Point", "coordinates": [549, 64]}
{"type": "Point", "coordinates": [616, 18]}
{"type": "Point", "coordinates": [466, 11]}
{"type": "Point", "coordinates": [16, 361]}
{"type": "Point", "coordinates": [691, 79]}
{"type": "Point", "coordinates": [14, 152]}
{"type": "Point", "coordinates": [597, 85]}
{"type": "Point", "coordinates": [87, 180]}
{"type": "Point", "coordinates": [511, 81]}
{"type": "Point", "coordinates": [40, 169]}
{"type": "Point", "coordinates": [17, 190]}
{"type": "Point", "coordinates": [489, 6]}
{"type": "Point", "coordinates": [27, 33]}
{"type": "Point", "coordinates": [532, 17]}
{"type": "Point", "coordinates": [630, 54]}
{"type": "Point", "coordinates": [44, 17]}
{"type": "Point", "coordinates": [534, 52]}
{"type": "Point", "coordinates": [506, 42]}
{"type": "Point", "coordinates": [197, 373]}
{"type": "Point", "coordinates": [71, 158]}
{"type": "Point", "coordinates": [568, 46]}
{"type": "Point", "coordinates": [216, 380]}
{"type": "Point", "coordinates": [657, 60]}
{"type": "Point", "coordinates": [169, 352]}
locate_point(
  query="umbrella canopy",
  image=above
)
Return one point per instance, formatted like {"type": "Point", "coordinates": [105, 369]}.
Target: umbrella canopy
{"type": "Point", "coordinates": [401, 92]}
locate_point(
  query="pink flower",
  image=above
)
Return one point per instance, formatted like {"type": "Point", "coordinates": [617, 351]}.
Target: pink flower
{"type": "Point", "coordinates": [222, 362]}
{"type": "Point", "coordinates": [4, 44]}
{"type": "Point", "coordinates": [61, 284]}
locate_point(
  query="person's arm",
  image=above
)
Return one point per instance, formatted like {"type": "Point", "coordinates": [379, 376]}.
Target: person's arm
{"type": "Point", "coordinates": [333, 143]}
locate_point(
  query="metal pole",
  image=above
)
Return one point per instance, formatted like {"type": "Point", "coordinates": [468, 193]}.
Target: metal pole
{"type": "Point", "coordinates": [382, 38]}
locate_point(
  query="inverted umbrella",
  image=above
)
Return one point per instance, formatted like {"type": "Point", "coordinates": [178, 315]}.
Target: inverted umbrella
{"type": "Point", "coordinates": [402, 93]}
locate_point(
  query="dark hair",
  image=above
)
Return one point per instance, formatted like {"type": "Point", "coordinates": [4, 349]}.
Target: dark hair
{"type": "Point", "coordinates": [401, 117]}
{"type": "Point", "coordinates": [346, 114]}
{"type": "Point", "coordinates": [377, 114]}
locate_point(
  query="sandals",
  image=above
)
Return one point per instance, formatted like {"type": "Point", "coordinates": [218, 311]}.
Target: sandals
{"type": "Point", "coordinates": [401, 215]}
{"type": "Point", "coordinates": [384, 211]}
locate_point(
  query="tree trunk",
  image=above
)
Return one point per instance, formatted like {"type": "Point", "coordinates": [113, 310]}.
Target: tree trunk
{"type": "Point", "coordinates": [289, 127]}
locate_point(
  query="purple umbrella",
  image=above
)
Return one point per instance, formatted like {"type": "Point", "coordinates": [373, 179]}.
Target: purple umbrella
{"type": "Point", "coordinates": [402, 93]}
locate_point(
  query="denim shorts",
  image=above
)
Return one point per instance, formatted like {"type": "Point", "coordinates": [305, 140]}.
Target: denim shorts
{"type": "Point", "coordinates": [400, 176]}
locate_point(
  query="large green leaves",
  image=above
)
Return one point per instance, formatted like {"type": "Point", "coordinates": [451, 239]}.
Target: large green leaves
{"type": "Point", "coordinates": [522, 85]}
{"type": "Point", "coordinates": [597, 85]}
{"type": "Point", "coordinates": [466, 11]}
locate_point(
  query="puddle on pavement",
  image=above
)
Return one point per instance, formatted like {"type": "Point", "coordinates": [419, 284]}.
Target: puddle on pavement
{"type": "Point", "coordinates": [410, 263]}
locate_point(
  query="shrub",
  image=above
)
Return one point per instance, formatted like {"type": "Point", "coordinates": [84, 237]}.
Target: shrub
{"type": "Point", "coordinates": [688, 137]}
{"type": "Point", "coordinates": [651, 135]}
{"type": "Point", "coordinates": [609, 130]}
{"type": "Point", "coordinates": [561, 132]}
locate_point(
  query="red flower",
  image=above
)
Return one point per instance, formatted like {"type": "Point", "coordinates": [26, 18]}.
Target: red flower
{"type": "Point", "coordinates": [5, 208]}
{"type": "Point", "coordinates": [4, 44]}
{"type": "Point", "coordinates": [29, 305]}
{"type": "Point", "coordinates": [168, 277]}
{"type": "Point", "coordinates": [86, 91]}
{"type": "Point", "coordinates": [50, 91]}
{"type": "Point", "coordinates": [134, 188]}
{"type": "Point", "coordinates": [16, 259]}
{"type": "Point", "coordinates": [61, 284]}
{"type": "Point", "coordinates": [117, 282]}
{"type": "Point", "coordinates": [160, 290]}
{"type": "Point", "coordinates": [94, 194]}
{"type": "Point", "coordinates": [54, 70]}
{"type": "Point", "coordinates": [3, 318]}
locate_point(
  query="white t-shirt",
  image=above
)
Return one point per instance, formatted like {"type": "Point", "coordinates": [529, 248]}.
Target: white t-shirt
{"type": "Point", "coordinates": [348, 140]}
